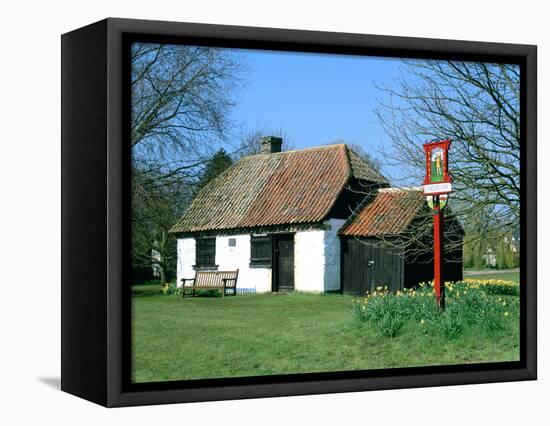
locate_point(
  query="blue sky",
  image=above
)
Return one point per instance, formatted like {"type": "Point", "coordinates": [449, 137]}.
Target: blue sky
{"type": "Point", "coordinates": [315, 98]}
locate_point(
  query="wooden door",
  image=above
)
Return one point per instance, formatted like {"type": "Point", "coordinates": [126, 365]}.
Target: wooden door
{"type": "Point", "coordinates": [283, 262]}
{"type": "Point", "coordinates": [368, 264]}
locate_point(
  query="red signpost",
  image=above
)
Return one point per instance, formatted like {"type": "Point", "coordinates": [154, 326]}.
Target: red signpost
{"type": "Point", "coordinates": [439, 280]}
{"type": "Point", "coordinates": [436, 187]}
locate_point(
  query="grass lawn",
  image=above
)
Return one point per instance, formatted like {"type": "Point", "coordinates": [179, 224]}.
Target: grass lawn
{"type": "Point", "coordinates": [507, 276]}
{"type": "Point", "coordinates": [211, 337]}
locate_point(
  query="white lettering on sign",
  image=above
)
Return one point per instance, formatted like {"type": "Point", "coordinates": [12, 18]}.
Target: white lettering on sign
{"type": "Point", "coordinates": [437, 188]}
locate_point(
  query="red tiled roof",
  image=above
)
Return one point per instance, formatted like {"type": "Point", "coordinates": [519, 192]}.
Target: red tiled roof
{"type": "Point", "coordinates": [289, 187]}
{"type": "Point", "coordinates": [390, 213]}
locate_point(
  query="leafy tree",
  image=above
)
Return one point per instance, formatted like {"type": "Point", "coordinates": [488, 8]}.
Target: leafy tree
{"type": "Point", "coordinates": [506, 254]}
{"type": "Point", "coordinates": [502, 249]}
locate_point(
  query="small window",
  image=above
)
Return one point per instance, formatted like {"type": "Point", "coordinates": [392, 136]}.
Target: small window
{"type": "Point", "coordinates": [260, 251]}
{"type": "Point", "coordinates": [205, 252]}
{"type": "Point", "coordinates": [232, 242]}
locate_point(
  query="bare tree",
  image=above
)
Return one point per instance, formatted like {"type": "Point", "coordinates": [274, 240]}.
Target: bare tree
{"type": "Point", "coordinates": [181, 100]}
{"type": "Point", "coordinates": [475, 104]}
{"type": "Point", "coordinates": [181, 97]}
{"type": "Point", "coordinates": [154, 211]}
{"type": "Point", "coordinates": [415, 242]}
{"type": "Point", "coordinates": [250, 141]}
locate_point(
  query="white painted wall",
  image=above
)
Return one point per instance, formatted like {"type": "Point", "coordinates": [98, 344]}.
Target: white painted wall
{"type": "Point", "coordinates": [227, 258]}
{"type": "Point", "coordinates": [309, 260]}
{"type": "Point", "coordinates": [186, 259]}
{"type": "Point", "coordinates": [231, 258]}
{"type": "Point", "coordinates": [316, 260]}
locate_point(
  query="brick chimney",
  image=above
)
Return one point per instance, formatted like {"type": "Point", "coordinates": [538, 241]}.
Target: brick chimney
{"type": "Point", "coordinates": [270, 144]}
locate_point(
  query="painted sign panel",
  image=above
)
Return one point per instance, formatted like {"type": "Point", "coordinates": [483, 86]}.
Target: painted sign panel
{"type": "Point", "coordinates": [437, 188]}
{"type": "Point", "coordinates": [437, 180]}
{"type": "Point", "coordinates": [436, 164]}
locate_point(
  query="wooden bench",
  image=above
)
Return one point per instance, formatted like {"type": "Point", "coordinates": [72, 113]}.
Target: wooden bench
{"type": "Point", "coordinates": [211, 280]}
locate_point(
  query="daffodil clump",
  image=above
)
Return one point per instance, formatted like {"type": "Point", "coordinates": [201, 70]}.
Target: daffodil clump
{"type": "Point", "coordinates": [501, 287]}
{"type": "Point", "coordinates": [468, 304]}
{"type": "Point", "coordinates": [388, 311]}
{"type": "Point", "coordinates": [170, 289]}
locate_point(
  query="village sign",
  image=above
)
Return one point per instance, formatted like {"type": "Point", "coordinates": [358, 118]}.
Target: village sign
{"type": "Point", "coordinates": [436, 187]}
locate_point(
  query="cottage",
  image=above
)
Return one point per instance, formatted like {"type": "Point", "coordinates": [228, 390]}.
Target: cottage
{"type": "Point", "coordinates": [277, 217]}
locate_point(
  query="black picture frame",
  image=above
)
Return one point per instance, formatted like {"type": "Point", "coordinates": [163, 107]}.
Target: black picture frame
{"type": "Point", "coordinates": [95, 205]}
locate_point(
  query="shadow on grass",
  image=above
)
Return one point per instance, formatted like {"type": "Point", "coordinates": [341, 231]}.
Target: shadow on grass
{"type": "Point", "coordinates": [149, 291]}
{"type": "Point", "coordinates": [140, 292]}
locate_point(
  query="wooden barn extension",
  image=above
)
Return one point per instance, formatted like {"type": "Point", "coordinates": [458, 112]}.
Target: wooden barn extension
{"type": "Point", "coordinates": [368, 263]}
{"type": "Point", "coordinates": [372, 252]}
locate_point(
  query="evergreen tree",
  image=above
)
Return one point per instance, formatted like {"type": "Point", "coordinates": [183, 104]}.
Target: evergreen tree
{"type": "Point", "coordinates": [219, 162]}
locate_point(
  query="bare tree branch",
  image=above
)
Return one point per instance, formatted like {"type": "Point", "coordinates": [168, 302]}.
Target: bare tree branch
{"type": "Point", "coordinates": [476, 105]}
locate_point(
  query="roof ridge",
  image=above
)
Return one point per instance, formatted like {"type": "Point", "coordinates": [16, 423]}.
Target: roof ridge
{"type": "Point", "coordinates": [371, 173]}
{"type": "Point", "coordinates": [367, 199]}
{"type": "Point", "coordinates": [376, 207]}
{"type": "Point", "coordinates": [295, 151]}
{"type": "Point", "coordinates": [401, 189]}
{"type": "Point", "coordinates": [296, 186]}
{"type": "Point", "coordinates": [349, 174]}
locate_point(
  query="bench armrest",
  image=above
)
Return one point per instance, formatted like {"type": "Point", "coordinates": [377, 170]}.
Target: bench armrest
{"type": "Point", "coordinates": [224, 280]}
{"type": "Point", "coordinates": [184, 280]}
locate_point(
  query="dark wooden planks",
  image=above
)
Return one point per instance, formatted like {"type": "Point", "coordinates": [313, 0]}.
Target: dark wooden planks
{"type": "Point", "coordinates": [368, 264]}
